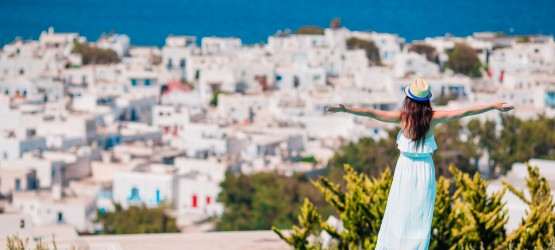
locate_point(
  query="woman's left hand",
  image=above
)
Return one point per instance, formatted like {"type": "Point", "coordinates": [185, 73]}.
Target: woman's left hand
{"type": "Point", "coordinates": [503, 106]}
{"type": "Point", "coordinates": [335, 109]}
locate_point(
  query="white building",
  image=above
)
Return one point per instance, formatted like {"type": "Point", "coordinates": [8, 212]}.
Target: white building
{"type": "Point", "coordinates": [47, 171]}
{"type": "Point", "coordinates": [151, 185]}
{"type": "Point", "coordinates": [219, 46]}
{"type": "Point", "coordinates": [413, 64]}
{"type": "Point", "coordinates": [198, 194]}
{"type": "Point", "coordinates": [176, 54]}
{"type": "Point", "coordinates": [52, 207]}
{"type": "Point", "coordinates": [389, 45]}
{"type": "Point", "coordinates": [13, 147]}
{"type": "Point", "coordinates": [119, 43]}
{"type": "Point", "coordinates": [170, 119]}
{"type": "Point", "coordinates": [15, 224]}
{"type": "Point", "coordinates": [523, 58]}
{"type": "Point", "coordinates": [17, 179]}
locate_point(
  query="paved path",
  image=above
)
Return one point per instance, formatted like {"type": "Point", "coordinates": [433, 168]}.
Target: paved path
{"type": "Point", "coordinates": [245, 240]}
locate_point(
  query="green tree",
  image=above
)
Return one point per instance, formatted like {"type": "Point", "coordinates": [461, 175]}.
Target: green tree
{"type": "Point", "coordinates": [361, 208]}
{"type": "Point", "coordinates": [258, 201]}
{"type": "Point", "coordinates": [369, 47]}
{"type": "Point", "coordinates": [136, 220]}
{"type": "Point", "coordinates": [335, 23]}
{"type": "Point", "coordinates": [94, 55]}
{"type": "Point", "coordinates": [367, 156]}
{"type": "Point", "coordinates": [309, 30]}
{"type": "Point", "coordinates": [471, 218]}
{"type": "Point", "coordinates": [521, 140]}
{"type": "Point", "coordinates": [309, 221]}
{"type": "Point", "coordinates": [214, 99]}
{"type": "Point", "coordinates": [537, 229]}
{"type": "Point", "coordinates": [481, 216]}
{"type": "Point", "coordinates": [453, 150]}
{"type": "Point", "coordinates": [444, 218]}
{"type": "Point", "coordinates": [464, 59]}
{"type": "Point", "coordinates": [523, 39]}
{"type": "Point", "coordinates": [487, 138]}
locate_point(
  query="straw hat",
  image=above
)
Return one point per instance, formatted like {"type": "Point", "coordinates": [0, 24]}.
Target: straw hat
{"type": "Point", "coordinates": [418, 90]}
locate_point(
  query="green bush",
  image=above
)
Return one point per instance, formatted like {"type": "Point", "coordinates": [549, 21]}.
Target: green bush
{"type": "Point", "coordinates": [463, 59]}
{"type": "Point", "coordinates": [469, 219]}
{"type": "Point", "coordinates": [430, 52]}
{"type": "Point", "coordinates": [136, 220]}
{"type": "Point", "coordinates": [309, 30]}
{"type": "Point", "coordinates": [17, 243]}
{"type": "Point", "coordinates": [94, 55]}
{"type": "Point", "coordinates": [258, 201]}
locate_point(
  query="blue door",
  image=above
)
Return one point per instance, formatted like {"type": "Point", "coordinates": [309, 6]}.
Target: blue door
{"type": "Point", "coordinates": [158, 196]}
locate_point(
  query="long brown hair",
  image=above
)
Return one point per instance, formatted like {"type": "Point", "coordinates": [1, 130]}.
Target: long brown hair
{"type": "Point", "coordinates": [417, 118]}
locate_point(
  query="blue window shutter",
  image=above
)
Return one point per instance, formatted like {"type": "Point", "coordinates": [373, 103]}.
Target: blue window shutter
{"type": "Point", "coordinates": [158, 196]}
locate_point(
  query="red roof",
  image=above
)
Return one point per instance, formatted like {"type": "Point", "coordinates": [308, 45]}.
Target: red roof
{"type": "Point", "coordinates": [176, 85]}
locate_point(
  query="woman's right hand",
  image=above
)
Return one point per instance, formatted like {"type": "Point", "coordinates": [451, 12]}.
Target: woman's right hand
{"type": "Point", "coordinates": [503, 106]}
{"type": "Point", "coordinates": [335, 109]}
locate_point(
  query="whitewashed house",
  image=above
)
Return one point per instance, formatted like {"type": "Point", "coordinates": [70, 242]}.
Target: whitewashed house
{"type": "Point", "coordinates": [219, 46]}
{"type": "Point", "coordinates": [51, 207]}
{"type": "Point", "coordinates": [151, 185]}
{"type": "Point", "coordinates": [119, 43]}
{"type": "Point", "coordinates": [17, 179]}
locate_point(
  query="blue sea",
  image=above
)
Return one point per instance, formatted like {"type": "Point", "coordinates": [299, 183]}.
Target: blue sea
{"type": "Point", "coordinates": [148, 22]}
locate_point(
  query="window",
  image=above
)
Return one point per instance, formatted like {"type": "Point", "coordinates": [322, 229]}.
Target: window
{"type": "Point", "coordinates": [296, 82]}
{"type": "Point", "coordinates": [170, 64]}
{"type": "Point", "coordinates": [60, 217]}
{"type": "Point", "coordinates": [17, 184]}
{"type": "Point", "coordinates": [21, 223]}
{"type": "Point", "coordinates": [133, 82]}
{"type": "Point", "coordinates": [134, 194]}
{"type": "Point", "coordinates": [208, 200]}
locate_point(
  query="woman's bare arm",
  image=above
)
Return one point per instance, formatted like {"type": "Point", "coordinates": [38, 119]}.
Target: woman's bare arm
{"type": "Point", "coordinates": [453, 115]}
{"type": "Point", "coordinates": [380, 115]}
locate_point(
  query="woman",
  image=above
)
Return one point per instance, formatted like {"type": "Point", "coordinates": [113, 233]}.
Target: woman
{"type": "Point", "coordinates": [410, 205]}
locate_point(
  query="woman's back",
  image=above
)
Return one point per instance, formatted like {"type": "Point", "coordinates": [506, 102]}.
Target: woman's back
{"type": "Point", "coordinates": [408, 147]}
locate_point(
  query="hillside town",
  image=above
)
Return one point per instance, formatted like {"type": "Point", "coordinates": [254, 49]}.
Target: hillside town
{"type": "Point", "coordinates": [162, 126]}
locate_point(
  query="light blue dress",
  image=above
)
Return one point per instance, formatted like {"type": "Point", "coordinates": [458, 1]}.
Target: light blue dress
{"type": "Point", "coordinates": [410, 206]}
